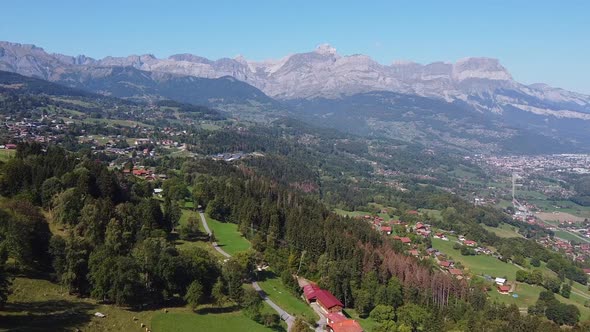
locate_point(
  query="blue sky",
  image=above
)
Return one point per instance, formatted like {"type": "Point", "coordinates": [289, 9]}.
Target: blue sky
{"type": "Point", "coordinates": [538, 41]}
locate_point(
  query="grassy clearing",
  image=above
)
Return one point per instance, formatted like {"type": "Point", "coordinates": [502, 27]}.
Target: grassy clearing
{"type": "Point", "coordinates": [504, 230]}
{"type": "Point", "coordinates": [527, 295]}
{"type": "Point", "coordinates": [274, 288]}
{"type": "Point", "coordinates": [228, 237]}
{"type": "Point", "coordinates": [6, 154]}
{"type": "Point", "coordinates": [214, 322]}
{"type": "Point", "coordinates": [39, 305]}
{"type": "Point", "coordinates": [479, 264]}
{"type": "Point", "coordinates": [433, 213]}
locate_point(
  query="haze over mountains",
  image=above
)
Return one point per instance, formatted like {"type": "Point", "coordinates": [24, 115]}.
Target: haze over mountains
{"type": "Point", "coordinates": [472, 101]}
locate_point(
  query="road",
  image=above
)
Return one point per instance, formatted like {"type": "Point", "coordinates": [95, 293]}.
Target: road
{"type": "Point", "coordinates": [289, 319]}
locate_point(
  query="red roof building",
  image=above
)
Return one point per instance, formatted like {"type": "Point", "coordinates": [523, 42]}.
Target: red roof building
{"type": "Point", "coordinates": [445, 264]}
{"type": "Point", "coordinates": [349, 325]}
{"type": "Point", "coordinates": [587, 271]}
{"type": "Point", "coordinates": [419, 225]}
{"type": "Point", "coordinates": [337, 317]}
{"type": "Point", "coordinates": [414, 252]}
{"type": "Point", "coordinates": [470, 243]}
{"type": "Point", "coordinates": [455, 272]}
{"type": "Point", "coordinates": [386, 229]}
{"type": "Point", "coordinates": [328, 302]}
{"type": "Point", "coordinates": [405, 240]}
{"type": "Point", "coordinates": [504, 289]}
{"type": "Point", "coordinates": [309, 291]}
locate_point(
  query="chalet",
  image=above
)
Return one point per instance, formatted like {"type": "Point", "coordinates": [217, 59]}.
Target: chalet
{"type": "Point", "coordinates": [440, 236]}
{"type": "Point", "coordinates": [504, 289]}
{"type": "Point", "coordinates": [348, 325]}
{"type": "Point", "coordinates": [386, 229]}
{"type": "Point", "coordinates": [414, 252]}
{"type": "Point", "coordinates": [587, 271]}
{"type": "Point", "coordinates": [419, 226]}
{"type": "Point", "coordinates": [446, 264]}
{"type": "Point", "coordinates": [470, 243]}
{"type": "Point", "coordinates": [10, 146]}
{"type": "Point", "coordinates": [405, 240]}
{"type": "Point", "coordinates": [327, 301]}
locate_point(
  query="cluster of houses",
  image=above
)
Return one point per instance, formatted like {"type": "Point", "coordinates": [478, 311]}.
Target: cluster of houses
{"type": "Point", "coordinates": [32, 131]}
{"type": "Point", "coordinates": [331, 308]}
{"type": "Point", "coordinates": [144, 173]}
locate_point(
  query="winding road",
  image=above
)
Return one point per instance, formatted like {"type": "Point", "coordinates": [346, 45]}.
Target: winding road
{"type": "Point", "coordinates": [289, 319]}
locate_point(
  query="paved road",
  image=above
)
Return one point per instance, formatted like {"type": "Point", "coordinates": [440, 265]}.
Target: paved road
{"type": "Point", "coordinates": [282, 313]}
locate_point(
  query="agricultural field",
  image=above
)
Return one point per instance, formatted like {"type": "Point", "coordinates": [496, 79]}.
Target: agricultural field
{"type": "Point", "coordinates": [527, 294]}
{"type": "Point", "coordinates": [569, 236]}
{"type": "Point", "coordinates": [6, 154]}
{"type": "Point", "coordinates": [274, 288]}
{"type": "Point", "coordinates": [479, 264]}
{"type": "Point", "coordinates": [228, 237]}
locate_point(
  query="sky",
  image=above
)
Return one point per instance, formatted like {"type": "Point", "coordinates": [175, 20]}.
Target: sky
{"type": "Point", "coordinates": [537, 41]}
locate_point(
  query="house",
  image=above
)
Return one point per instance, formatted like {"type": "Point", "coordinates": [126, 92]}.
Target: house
{"type": "Point", "coordinates": [348, 325]}
{"type": "Point", "coordinates": [158, 191]}
{"type": "Point", "coordinates": [470, 243]}
{"type": "Point", "coordinates": [327, 301]}
{"type": "Point", "coordinates": [414, 252]}
{"type": "Point", "coordinates": [419, 226]}
{"type": "Point", "coordinates": [386, 229]}
{"type": "Point", "coordinates": [456, 273]}
{"type": "Point", "coordinates": [504, 289]}
{"type": "Point", "coordinates": [500, 281]}
{"type": "Point", "coordinates": [445, 264]}
{"type": "Point", "coordinates": [10, 146]}
{"type": "Point", "coordinates": [405, 240]}
{"type": "Point", "coordinates": [587, 271]}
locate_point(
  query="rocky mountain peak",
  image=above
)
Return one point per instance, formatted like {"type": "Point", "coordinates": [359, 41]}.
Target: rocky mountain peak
{"type": "Point", "coordinates": [325, 49]}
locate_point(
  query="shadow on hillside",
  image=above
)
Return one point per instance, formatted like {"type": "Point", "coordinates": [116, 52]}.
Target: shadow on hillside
{"type": "Point", "coordinates": [56, 315]}
{"type": "Point", "coordinates": [265, 275]}
{"type": "Point", "coordinates": [217, 310]}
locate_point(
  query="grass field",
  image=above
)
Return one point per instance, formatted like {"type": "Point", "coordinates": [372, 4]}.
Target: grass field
{"type": "Point", "coordinates": [504, 230]}
{"type": "Point", "coordinates": [189, 322]}
{"type": "Point", "coordinates": [274, 288]}
{"type": "Point", "coordinates": [6, 154]}
{"type": "Point", "coordinates": [479, 264]}
{"type": "Point", "coordinates": [228, 237]}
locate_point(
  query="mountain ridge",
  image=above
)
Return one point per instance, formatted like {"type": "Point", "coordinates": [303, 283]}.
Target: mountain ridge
{"type": "Point", "coordinates": [481, 82]}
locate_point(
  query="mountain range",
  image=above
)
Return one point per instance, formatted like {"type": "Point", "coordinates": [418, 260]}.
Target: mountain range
{"type": "Point", "coordinates": [472, 101]}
